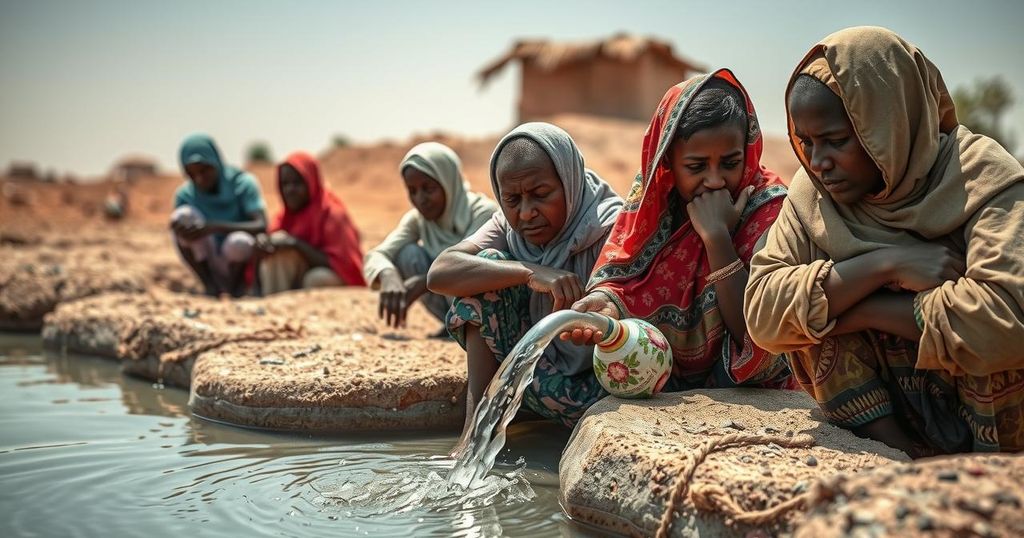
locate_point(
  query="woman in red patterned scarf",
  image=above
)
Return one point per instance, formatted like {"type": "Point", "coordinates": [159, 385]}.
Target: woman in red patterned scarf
{"type": "Point", "coordinates": [679, 251]}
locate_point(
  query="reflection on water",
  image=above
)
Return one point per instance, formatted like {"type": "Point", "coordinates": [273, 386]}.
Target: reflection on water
{"type": "Point", "coordinates": [86, 451]}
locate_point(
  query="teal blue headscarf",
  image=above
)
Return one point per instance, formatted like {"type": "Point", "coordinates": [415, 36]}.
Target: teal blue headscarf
{"type": "Point", "coordinates": [237, 195]}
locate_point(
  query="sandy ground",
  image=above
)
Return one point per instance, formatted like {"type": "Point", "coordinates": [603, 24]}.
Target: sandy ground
{"type": "Point", "coordinates": [365, 176]}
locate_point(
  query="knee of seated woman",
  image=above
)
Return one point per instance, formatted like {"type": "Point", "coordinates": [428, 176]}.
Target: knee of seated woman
{"type": "Point", "coordinates": [412, 260]}
{"type": "Point", "coordinates": [494, 254]}
{"type": "Point", "coordinates": [238, 247]}
{"type": "Point", "coordinates": [187, 215]}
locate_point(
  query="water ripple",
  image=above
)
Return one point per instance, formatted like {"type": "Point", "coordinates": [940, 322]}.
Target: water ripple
{"type": "Point", "coordinates": [122, 459]}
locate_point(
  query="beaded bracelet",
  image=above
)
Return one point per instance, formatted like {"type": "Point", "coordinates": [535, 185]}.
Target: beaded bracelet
{"type": "Point", "coordinates": [725, 272]}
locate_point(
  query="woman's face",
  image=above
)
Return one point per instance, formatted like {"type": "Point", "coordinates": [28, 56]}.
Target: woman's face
{"type": "Point", "coordinates": [833, 153]}
{"type": "Point", "coordinates": [425, 193]}
{"type": "Point", "coordinates": [530, 192]}
{"type": "Point", "coordinates": [710, 159]}
{"type": "Point", "coordinates": [294, 191]}
{"type": "Point", "coordinates": [203, 175]}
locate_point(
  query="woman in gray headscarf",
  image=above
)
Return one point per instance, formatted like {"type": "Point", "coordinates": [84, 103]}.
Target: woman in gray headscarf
{"type": "Point", "coordinates": [530, 259]}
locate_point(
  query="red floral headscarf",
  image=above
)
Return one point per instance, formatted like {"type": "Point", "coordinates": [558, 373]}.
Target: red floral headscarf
{"type": "Point", "coordinates": [654, 266]}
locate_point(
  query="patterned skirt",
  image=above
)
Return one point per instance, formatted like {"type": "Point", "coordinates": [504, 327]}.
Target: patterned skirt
{"type": "Point", "coordinates": [503, 317]}
{"type": "Point", "coordinates": [861, 377]}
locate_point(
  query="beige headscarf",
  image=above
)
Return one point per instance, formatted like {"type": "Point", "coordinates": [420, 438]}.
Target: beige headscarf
{"type": "Point", "coordinates": [940, 179]}
{"type": "Point", "coordinates": [937, 173]}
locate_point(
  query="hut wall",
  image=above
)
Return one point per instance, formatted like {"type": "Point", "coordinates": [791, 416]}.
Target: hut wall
{"type": "Point", "coordinates": [603, 87]}
{"type": "Point", "coordinates": [547, 93]}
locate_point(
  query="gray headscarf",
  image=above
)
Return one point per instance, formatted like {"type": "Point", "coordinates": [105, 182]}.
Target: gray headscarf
{"type": "Point", "coordinates": [591, 209]}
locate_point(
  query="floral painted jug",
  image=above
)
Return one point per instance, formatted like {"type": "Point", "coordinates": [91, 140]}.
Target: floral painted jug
{"type": "Point", "coordinates": [633, 360]}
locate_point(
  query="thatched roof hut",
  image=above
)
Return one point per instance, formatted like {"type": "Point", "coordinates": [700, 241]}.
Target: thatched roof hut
{"type": "Point", "coordinates": [23, 171]}
{"type": "Point", "coordinates": [134, 167]}
{"type": "Point", "coordinates": [624, 76]}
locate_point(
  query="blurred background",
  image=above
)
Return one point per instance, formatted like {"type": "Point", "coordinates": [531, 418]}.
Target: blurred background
{"type": "Point", "coordinates": [83, 84]}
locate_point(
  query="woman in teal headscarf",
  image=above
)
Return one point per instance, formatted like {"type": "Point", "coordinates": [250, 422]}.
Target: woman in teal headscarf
{"type": "Point", "coordinates": [217, 212]}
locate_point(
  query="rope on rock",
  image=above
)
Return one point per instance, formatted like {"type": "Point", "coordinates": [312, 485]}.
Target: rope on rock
{"type": "Point", "coordinates": [713, 497]}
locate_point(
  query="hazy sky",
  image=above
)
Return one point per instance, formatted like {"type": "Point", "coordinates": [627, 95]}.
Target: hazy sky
{"type": "Point", "coordinates": [84, 82]}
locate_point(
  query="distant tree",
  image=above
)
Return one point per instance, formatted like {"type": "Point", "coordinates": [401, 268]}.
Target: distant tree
{"type": "Point", "coordinates": [340, 141]}
{"type": "Point", "coordinates": [981, 108]}
{"type": "Point", "coordinates": [259, 152]}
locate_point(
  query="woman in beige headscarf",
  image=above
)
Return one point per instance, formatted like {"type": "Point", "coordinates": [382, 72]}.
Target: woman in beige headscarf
{"type": "Point", "coordinates": [894, 276]}
{"type": "Point", "coordinates": [444, 213]}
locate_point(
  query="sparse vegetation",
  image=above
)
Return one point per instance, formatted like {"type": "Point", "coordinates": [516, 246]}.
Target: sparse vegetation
{"type": "Point", "coordinates": [981, 108]}
{"type": "Point", "coordinates": [340, 141]}
{"type": "Point", "coordinates": [259, 152]}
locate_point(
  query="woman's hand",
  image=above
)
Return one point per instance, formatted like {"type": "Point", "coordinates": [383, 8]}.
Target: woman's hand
{"type": "Point", "coordinates": [392, 304]}
{"type": "Point", "coordinates": [192, 230]}
{"type": "Point", "coordinates": [282, 239]}
{"type": "Point", "coordinates": [714, 214]}
{"type": "Point", "coordinates": [923, 267]}
{"type": "Point", "coordinates": [563, 286]}
{"type": "Point", "coordinates": [596, 302]}
{"type": "Point", "coordinates": [263, 244]}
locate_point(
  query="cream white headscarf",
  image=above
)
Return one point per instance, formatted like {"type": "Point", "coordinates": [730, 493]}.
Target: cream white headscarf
{"type": "Point", "coordinates": [462, 207]}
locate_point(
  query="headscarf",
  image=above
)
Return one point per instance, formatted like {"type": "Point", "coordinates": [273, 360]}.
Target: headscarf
{"type": "Point", "coordinates": [591, 208]}
{"type": "Point", "coordinates": [654, 265]}
{"type": "Point", "coordinates": [237, 193]}
{"type": "Point", "coordinates": [939, 177]}
{"type": "Point", "coordinates": [462, 207]}
{"type": "Point", "coordinates": [324, 222]}
{"type": "Point", "coordinates": [937, 173]}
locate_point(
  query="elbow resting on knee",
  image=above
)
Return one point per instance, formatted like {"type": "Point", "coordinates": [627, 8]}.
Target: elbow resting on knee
{"type": "Point", "coordinates": [436, 275]}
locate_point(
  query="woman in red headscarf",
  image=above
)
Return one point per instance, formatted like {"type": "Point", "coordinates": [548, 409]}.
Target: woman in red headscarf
{"type": "Point", "coordinates": [678, 254]}
{"type": "Point", "coordinates": [312, 241]}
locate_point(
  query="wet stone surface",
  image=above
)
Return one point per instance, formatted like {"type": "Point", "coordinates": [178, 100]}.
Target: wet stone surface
{"type": "Point", "coordinates": [305, 360]}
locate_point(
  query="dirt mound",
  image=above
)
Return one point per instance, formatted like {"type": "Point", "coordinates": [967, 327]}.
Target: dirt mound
{"type": "Point", "coordinates": [364, 175]}
{"type": "Point", "coordinates": [978, 495]}
{"type": "Point", "coordinates": [37, 275]}
{"type": "Point", "coordinates": [628, 459]}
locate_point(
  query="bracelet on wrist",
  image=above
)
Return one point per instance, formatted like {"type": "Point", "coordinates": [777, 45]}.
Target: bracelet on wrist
{"type": "Point", "coordinates": [725, 272]}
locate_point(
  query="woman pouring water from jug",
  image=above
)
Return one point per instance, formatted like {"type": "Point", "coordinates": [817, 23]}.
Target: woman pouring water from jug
{"type": "Point", "coordinates": [531, 259]}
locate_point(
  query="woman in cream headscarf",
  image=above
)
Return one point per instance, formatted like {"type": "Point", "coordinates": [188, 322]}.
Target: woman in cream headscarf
{"type": "Point", "coordinates": [894, 276]}
{"type": "Point", "coordinates": [444, 213]}
{"type": "Point", "coordinates": [531, 259]}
